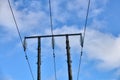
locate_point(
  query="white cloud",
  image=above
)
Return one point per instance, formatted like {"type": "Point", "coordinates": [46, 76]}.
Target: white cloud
{"type": "Point", "coordinates": [102, 47]}
{"type": "Point", "coordinates": [35, 19]}
{"type": "Point", "coordinates": [28, 18]}
{"type": "Point", "coordinates": [60, 41]}
{"type": "Point", "coordinates": [64, 11]}
{"type": "Point", "coordinates": [5, 15]}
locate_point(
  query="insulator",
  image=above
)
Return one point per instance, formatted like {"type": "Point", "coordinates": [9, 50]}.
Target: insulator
{"type": "Point", "coordinates": [24, 44]}
{"type": "Point", "coordinates": [53, 42]}
{"type": "Point", "coordinates": [81, 40]}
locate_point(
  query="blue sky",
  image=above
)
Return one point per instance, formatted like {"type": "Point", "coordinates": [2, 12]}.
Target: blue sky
{"type": "Point", "coordinates": [101, 57]}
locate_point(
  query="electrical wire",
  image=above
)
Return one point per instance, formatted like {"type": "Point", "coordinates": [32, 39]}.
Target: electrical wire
{"type": "Point", "coordinates": [15, 21]}
{"type": "Point", "coordinates": [53, 41]}
{"type": "Point", "coordinates": [80, 59]}
{"type": "Point", "coordinates": [20, 39]}
{"type": "Point", "coordinates": [82, 39]}
{"type": "Point", "coordinates": [86, 21]}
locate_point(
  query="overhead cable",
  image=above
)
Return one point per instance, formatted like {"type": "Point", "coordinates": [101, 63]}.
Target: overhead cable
{"type": "Point", "coordinates": [20, 39]}
{"type": "Point", "coordinates": [53, 41]}
{"type": "Point", "coordinates": [86, 21]}
{"type": "Point", "coordinates": [83, 38]}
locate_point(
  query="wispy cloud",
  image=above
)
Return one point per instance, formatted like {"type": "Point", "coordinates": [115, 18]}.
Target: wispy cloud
{"type": "Point", "coordinates": [5, 15]}
{"type": "Point", "coordinates": [33, 18]}
{"type": "Point", "coordinates": [100, 46]}
{"type": "Point", "coordinates": [103, 47]}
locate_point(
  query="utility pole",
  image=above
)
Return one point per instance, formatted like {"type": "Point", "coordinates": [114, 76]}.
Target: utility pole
{"type": "Point", "coordinates": [67, 50]}
{"type": "Point", "coordinates": [68, 58]}
{"type": "Point", "coordinates": [39, 59]}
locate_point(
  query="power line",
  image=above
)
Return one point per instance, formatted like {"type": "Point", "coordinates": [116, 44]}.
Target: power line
{"type": "Point", "coordinates": [53, 41]}
{"type": "Point", "coordinates": [28, 62]}
{"type": "Point", "coordinates": [86, 20]}
{"type": "Point", "coordinates": [15, 21]}
{"type": "Point", "coordinates": [82, 39]}
{"type": "Point", "coordinates": [20, 39]}
{"type": "Point", "coordinates": [80, 59]}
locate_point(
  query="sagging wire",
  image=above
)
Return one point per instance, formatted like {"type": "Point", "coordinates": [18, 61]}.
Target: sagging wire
{"type": "Point", "coordinates": [53, 40]}
{"type": "Point", "coordinates": [82, 38]}
{"type": "Point", "coordinates": [27, 59]}
{"type": "Point", "coordinates": [80, 59]}
{"type": "Point", "coordinates": [22, 42]}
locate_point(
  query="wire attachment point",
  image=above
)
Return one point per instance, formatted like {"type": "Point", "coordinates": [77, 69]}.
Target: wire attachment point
{"type": "Point", "coordinates": [81, 40]}
{"type": "Point", "coordinates": [24, 44]}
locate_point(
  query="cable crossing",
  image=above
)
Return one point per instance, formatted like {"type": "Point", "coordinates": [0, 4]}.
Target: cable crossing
{"type": "Point", "coordinates": [53, 40]}
{"type": "Point", "coordinates": [22, 43]}
{"type": "Point", "coordinates": [83, 38]}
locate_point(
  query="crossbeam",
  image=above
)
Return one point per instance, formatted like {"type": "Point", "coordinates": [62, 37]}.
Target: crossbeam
{"type": "Point", "coordinates": [57, 35]}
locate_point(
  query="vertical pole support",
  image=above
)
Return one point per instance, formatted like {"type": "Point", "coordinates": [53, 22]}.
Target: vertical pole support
{"type": "Point", "coordinates": [68, 58]}
{"type": "Point", "coordinates": [39, 60]}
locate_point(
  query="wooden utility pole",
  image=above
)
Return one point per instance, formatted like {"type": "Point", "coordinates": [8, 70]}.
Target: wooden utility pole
{"type": "Point", "coordinates": [39, 60]}
{"type": "Point", "coordinates": [68, 58]}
